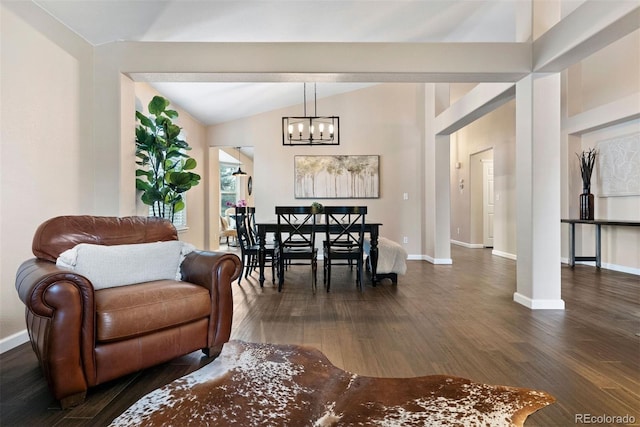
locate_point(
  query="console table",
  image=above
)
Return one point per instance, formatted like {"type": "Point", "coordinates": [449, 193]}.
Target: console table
{"type": "Point", "coordinates": [598, 223]}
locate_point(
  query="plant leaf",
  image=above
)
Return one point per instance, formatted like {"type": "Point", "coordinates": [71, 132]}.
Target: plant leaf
{"type": "Point", "coordinates": [144, 120]}
{"type": "Point", "coordinates": [189, 164]}
{"type": "Point", "coordinates": [178, 206]}
{"type": "Point", "coordinates": [171, 113]}
{"type": "Point", "coordinates": [142, 185]}
{"type": "Point", "coordinates": [157, 105]}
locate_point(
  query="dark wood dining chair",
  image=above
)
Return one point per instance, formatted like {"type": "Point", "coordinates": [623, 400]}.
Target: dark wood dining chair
{"type": "Point", "coordinates": [344, 239]}
{"type": "Point", "coordinates": [249, 246]}
{"type": "Point", "coordinates": [296, 240]}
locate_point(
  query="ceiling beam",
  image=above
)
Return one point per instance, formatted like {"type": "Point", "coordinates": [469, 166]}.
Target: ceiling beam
{"type": "Point", "coordinates": [481, 100]}
{"type": "Point", "coordinates": [354, 62]}
{"type": "Point", "coordinates": [591, 27]}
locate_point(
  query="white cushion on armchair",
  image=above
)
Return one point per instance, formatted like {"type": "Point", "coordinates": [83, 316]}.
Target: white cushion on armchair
{"type": "Point", "coordinates": [121, 265]}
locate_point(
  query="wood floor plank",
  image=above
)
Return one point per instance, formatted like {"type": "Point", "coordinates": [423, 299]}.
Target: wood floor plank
{"type": "Point", "coordinates": [458, 319]}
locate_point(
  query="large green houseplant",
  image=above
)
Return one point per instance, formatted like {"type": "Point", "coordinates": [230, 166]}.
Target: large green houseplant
{"type": "Point", "coordinates": [163, 173]}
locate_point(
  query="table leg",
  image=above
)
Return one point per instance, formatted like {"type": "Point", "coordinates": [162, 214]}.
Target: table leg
{"type": "Point", "coordinates": [262, 234]}
{"type": "Point", "coordinates": [572, 245]}
{"type": "Point", "coordinates": [373, 255]}
{"type": "Point", "coordinates": [598, 241]}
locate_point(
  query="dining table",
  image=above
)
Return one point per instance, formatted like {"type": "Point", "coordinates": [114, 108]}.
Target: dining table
{"type": "Point", "coordinates": [264, 227]}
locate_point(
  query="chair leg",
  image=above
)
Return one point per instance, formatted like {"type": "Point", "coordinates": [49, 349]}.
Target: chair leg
{"type": "Point", "coordinates": [314, 270]}
{"type": "Point", "coordinates": [280, 274]}
{"type": "Point", "coordinates": [324, 270]}
{"type": "Point", "coordinates": [242, 264]}
{"type": "Point", "coordinates": [73, 400]}
{"type": "Point", "coordinates": [247, 270]}
{"type": "Point", "coordinates": [273, 271]}
{"type": "Point", "coordinates": [212, 351]}
{"type": "Point", "coordinates": [328, 282]}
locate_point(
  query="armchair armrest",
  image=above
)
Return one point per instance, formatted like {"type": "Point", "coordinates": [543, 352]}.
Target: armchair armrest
{"type": "Point", "coordinates": [215, 271]}
{"type": "Point", "coordinates": [60, 315]}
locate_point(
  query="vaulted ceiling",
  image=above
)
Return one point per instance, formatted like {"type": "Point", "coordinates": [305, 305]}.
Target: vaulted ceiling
{"type": "Point", "coordinates": [105, 21]}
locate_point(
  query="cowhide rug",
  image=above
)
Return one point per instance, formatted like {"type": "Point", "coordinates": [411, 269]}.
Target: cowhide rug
{"type": "Point", "coordinates": [287, 385]}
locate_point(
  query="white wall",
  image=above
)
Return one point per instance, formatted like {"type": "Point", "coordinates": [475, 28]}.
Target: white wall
{"type": "Point", "coordinates": [62, 101]}
{"type": "Point", "coordinates": [597, 84]}
{"type": "Point", "coordinates": [381, 120]}
{"type": "Point", "coordinates": [610, 74]}
{"type": "Point", "coordinates": [620, 245]}
{"type": "Point", "coordinates": [496, 131]}
{"type": "Point", "coordinates": [46, 159]}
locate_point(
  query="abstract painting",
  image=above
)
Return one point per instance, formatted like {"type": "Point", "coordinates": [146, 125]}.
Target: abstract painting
{"type": "Point", "coordinates": [337, 177]}
{"type": "Point", "coordinates": [619, 166]}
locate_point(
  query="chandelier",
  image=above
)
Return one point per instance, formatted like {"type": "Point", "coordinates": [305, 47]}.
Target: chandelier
{"type": "Point", "coordinates": [311, 130]}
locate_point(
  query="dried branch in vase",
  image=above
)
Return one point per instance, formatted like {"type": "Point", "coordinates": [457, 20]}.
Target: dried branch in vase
{"type": "Point", "coordinates": [587, 162]}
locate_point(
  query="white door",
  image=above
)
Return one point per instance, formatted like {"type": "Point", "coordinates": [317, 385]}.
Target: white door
{"type": "Point", "coordinates": [487, 203]}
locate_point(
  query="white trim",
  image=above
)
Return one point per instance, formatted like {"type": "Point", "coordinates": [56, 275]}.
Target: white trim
{"type": "Point", "coordinates": [504, 255]}
{"type": "Point", "coordinates": [414, 257]}
{"type": "Point", "coordinates": [620, 268]}
{"type": "Point", "coordinates": [538, 304]}
{"type": "Point", "coordinates": [467, 245]}
{"type": "Point", "coordinates": [607, 266]}
{"type": "Point", "coordinates": [12, 341]}
{"type": "Point", "coordinates": [437, 261]}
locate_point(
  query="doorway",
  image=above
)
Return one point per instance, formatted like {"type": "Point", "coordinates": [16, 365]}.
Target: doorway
{"type": "Point", "coordinates": [482, 199]}
{"type": "Point", "coordinates": [227, 188]}
{"type": "Point", "coordinates": [487, 203]}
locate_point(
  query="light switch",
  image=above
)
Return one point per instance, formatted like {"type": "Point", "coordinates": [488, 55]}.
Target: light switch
{"type": "Point", "coordinates": [405, 196]}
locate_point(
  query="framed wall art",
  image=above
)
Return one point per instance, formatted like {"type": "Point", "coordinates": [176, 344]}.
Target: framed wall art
{"type": "Point", "coordinates": [619, 166]}
{"type": "Point", "coordinates": [337, 177]}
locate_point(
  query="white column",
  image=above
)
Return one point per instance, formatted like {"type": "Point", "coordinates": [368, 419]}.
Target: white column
{"type": "Point", "coordinates": [437, 190]}
{"type": "Point", "coordinates": [538, 154]}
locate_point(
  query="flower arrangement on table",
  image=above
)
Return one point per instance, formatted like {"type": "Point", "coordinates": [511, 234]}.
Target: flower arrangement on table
{"type": "Point", "coordinates": [242, 203]}
{"type": "Point", "coordinates": [317, 207]}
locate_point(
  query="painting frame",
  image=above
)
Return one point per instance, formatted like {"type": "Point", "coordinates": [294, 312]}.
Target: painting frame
{"type": "Point", "coordinates": [618, 164]}
{"type": "Point", "coordinates": [337, 176]}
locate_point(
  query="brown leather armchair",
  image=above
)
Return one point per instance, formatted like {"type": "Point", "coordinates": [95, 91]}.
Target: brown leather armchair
{"type": "Point", "coordinates": [84, 337]}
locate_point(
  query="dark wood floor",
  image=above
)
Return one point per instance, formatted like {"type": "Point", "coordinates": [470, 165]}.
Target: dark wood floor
{"type": "Point", "coordinates": [457, 320]}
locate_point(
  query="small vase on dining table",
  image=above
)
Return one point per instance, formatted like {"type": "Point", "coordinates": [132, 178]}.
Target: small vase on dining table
{"type": "Point", "coordinates": [586, 204]}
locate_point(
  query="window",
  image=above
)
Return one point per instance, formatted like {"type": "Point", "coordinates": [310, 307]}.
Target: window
{"type": "Point", "coordinates": [180, 218]}
{"type": "Point", "coordinates": [228, 187]}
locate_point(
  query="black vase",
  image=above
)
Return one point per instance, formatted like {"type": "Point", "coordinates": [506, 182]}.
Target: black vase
{"type": "Point", "coordinates": [586, 205]}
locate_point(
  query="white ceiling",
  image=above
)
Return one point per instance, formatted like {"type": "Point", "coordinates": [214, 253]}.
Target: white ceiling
{"type": "Point", "coordinates": [105, 21]}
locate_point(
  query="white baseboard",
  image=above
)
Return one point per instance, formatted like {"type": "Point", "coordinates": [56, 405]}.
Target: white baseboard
{"type": "Point", "coordinates": [606, 265]}
{"type": "Point", "coordinates": [538, 304]}
{"type": "Point", "coordinates": [468, 245]}
{"type": "Point", "coordinates": [437, 261]}
{"type": "Point", "coordinates": [413, 257]}
{"type": "Point", "coordinates": [504, 255]}
{"type": "Point", "coordinates": [12, 341]}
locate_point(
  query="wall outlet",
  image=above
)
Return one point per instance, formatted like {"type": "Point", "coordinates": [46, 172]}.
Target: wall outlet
{"type": "Point", "coordinates": [458, 231]}
{"type": "Point", "coordinates": [405, 239]}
